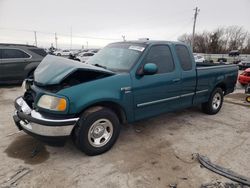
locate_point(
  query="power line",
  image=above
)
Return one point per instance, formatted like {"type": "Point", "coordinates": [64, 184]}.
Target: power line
{"type": "Point", "coordinates": [61, 34]}
{"type": "Point", "coordinates": [181, 29]}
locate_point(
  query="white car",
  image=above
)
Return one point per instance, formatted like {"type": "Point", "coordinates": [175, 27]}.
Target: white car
{"type": "Point", "coordinates": [199, 59]}
{"type": "Point", "coordinates": [62, 52]}
{"type": "Point", "coordinates": [84, 56]}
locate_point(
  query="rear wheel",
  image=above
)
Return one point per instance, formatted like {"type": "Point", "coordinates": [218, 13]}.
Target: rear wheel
{"type": "Point", "coordinates": [97, 130]}
{"type": "Point", "coordinates": [214, 103]}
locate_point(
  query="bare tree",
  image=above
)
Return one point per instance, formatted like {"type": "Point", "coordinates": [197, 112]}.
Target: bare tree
{"type": "Point", "coordinates": [236, 37]}
{"type": "Point", "coordinates": [221, 40]}
{"type": "Point", "coordinates": [186, 38]}
{"type": "Point", "coordinates": [246, 50]}
{"type": "Point", "coordinates": [201, 42]}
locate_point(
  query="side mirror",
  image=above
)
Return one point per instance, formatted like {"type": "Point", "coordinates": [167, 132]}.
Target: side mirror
{"type": "Point", "coordinates": [150, 69]}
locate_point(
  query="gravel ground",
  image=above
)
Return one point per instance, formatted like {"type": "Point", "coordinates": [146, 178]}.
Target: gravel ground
{"type": "Point", "coordinates": [151, 153]}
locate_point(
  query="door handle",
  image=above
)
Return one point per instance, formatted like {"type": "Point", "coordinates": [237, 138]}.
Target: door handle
{"type": "Point", "coordinates": [176, 80]}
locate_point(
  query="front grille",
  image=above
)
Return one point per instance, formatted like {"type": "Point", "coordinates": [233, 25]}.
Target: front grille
{"type": "Point", "coordinates": [29, 97]}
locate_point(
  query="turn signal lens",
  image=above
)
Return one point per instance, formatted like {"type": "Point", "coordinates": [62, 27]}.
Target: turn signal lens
{"type": "Point", "coordinates": [52, 103]}
{"type": "Point", "coordinates": [62, 104]}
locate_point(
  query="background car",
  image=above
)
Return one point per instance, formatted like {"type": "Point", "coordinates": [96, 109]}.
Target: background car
{"type": "Point", "coordinates": [18, 61]}
{"type": "Point", "coordinates": [94, 50]}
{"type": "Point", "coordinates": [234, 53]}
{"type": "Point", "coordinates": [62, 52]}
{"type": "Point", "coordinates": [83, 57]}
{"type": "Point", "coordinates": [244, 78]}
{"type": "Point", "coordinates": [244, 64]}
{"type": "Point", "coordinates": [199, 59]}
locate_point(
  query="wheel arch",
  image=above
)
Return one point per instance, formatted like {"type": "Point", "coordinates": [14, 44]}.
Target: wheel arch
{"type": "Point", "coordinates": [115, 107]}
{"type": "Point", "coordinates": [223, 86]}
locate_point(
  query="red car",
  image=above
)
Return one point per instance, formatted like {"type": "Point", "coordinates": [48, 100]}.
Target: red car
{"type": "Point", "coordinates": [244, 77]}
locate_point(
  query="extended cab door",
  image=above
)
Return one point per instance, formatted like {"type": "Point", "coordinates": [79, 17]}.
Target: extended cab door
{"type": "Point", "coordinates": [158, 93]}
{"type": "Point", "coordinates": [188, 74]}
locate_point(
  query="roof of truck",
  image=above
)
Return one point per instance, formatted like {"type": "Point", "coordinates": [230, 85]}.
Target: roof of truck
{"type": "Point", "coordinates": [152, 42]}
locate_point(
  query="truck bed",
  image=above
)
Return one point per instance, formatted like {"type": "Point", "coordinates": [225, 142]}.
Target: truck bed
{"type": "Point", "coordinates": [210, 75]}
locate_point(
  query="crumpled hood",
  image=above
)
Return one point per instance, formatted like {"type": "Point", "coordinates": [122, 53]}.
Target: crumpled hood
{"type": "Point", "coordinates": [52, 70]}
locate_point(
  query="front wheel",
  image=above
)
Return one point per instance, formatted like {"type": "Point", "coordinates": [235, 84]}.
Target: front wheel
{"type": "Point", "coordinates": [214, 103]}
{"type": "Point", "coordinates": [97, 131]}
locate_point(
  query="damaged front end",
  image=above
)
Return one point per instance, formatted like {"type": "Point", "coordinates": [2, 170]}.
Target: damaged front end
{"type": "Point", "coordinates": [60, 72]}
{"type": "Point", "coordinates": [42, 112]}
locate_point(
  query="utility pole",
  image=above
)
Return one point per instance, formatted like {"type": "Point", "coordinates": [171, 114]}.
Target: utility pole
{"type": "Point", "coordinates": [123, 38]}
{"type": "Point", "coordinates": [70, 37]}
{"type": "Point", "coordinates": [56, 40]}
{"type": "Point", "coordinates": [87, 45]}
{"type": "Point", "coordinates": [195, 17]}
{"type": "Point", "coordinates": [35, 38]}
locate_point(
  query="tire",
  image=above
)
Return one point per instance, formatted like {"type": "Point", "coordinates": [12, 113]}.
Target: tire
{"type": "Point", "coordinates": [248, 99]}
{"type": "Point", "coordinates": [214, 103]}
{"type": "Point", "coordinates": [59, 54]}
{"type": "Point", "coordinates": [97, 130]}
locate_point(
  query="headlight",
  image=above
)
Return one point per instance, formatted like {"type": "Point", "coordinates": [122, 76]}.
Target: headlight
{"type": "Point", "coordinates": [52, 103]}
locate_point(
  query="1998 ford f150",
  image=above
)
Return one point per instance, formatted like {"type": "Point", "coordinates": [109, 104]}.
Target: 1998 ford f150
{"type": "Point", "coordinates": [123, 83]}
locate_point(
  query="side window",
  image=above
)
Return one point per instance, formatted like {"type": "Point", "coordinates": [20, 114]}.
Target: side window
{"type": "Point", "coordinates": [184, 57]}
{"type": "Point", "coordinates": [13, 53]}
{"type": "Point", "coordinates": [162, 57]}
{"type": "Point", "coordinates": [39, 51]}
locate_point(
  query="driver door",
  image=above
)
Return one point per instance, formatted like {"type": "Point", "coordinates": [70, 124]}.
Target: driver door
{"type": "Point", "coordinates": [158, 93]}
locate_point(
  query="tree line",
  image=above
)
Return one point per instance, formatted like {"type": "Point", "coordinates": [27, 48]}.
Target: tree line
{"type": "Point", "coordinates": [221, 40]}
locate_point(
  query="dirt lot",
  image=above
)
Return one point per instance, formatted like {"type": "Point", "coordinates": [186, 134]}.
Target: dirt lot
{"type": "Point", "coordinates": [151, 153]}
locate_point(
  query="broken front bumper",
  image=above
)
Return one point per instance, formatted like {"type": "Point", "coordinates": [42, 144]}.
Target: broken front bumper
{"type": "Point", "coordinates": [53, 131]}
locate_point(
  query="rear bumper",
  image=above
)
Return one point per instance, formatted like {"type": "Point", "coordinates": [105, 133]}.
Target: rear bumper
{"type": "Point", "coordinates": [53, 131]}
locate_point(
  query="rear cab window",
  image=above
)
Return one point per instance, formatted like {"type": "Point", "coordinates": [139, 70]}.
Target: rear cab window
{"type": "Point", "coordinates": [161, 56]}
{"type": "Point", "coordinates": [184, 57]}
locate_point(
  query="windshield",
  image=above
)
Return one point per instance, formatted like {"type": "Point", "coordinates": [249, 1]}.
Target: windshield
{"type": "Point", "coordinates": [118, 57]}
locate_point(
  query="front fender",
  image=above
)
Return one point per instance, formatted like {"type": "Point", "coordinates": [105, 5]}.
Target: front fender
{"type": "Point", "coordinates": [107, 89]}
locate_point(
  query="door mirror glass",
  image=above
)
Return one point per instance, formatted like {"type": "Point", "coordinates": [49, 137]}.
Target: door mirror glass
{"type": "Point", "coordinates": [150, 69]}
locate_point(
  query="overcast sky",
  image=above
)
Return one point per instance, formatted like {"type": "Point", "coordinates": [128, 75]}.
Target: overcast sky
{"type": "Point", "coordinates": [110, 19]}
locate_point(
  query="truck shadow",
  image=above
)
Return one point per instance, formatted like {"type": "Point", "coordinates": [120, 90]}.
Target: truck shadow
{"type": "Point", "coordinates": [31, 151]}
{"type": "Point", "coordinates": [28, 149]}
{"type": "Point", "coordinates": [10, 85]}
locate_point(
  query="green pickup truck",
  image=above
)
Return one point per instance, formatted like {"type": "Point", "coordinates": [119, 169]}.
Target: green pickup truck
{"type": "Point", "coordinates": [123, 83]}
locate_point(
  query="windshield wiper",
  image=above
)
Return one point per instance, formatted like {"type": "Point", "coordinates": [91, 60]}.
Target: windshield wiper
{"type": "Point", "coordinates": [98, 65]}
